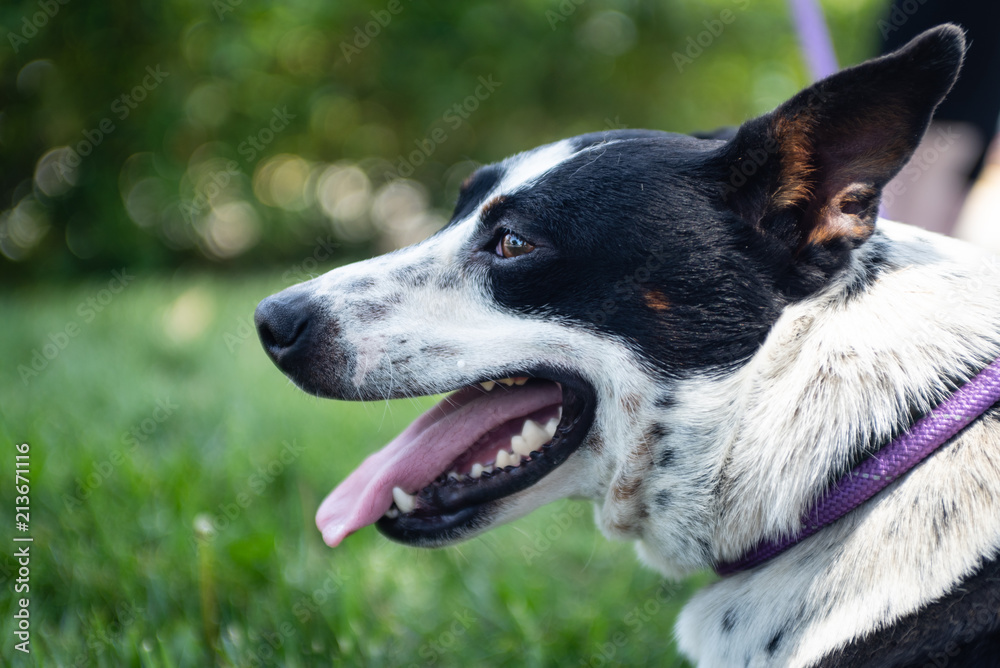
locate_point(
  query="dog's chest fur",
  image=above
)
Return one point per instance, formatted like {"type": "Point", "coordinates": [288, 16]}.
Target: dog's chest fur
{"type": "Point", "coordinates": [752, 447]}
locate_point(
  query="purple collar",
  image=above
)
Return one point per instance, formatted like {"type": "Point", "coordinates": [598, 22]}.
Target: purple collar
{"type": "Point", "coordinates": [887, 465]}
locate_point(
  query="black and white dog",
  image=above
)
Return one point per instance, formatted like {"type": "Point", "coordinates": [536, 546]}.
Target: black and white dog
{"type": "Point", "coordinates": [700, 335]}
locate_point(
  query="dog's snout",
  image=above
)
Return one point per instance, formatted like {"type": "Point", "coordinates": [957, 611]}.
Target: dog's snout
{"type": "Point", "coordinates": [281, 321]}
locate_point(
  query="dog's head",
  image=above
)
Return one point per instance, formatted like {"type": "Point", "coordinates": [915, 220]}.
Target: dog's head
{"type": "Point", "coordinates": [578, 286]}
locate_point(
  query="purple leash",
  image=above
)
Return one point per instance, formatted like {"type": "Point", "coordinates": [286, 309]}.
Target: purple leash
{"type": "Point", "coordinates": [887, 465]}
{"type": "Point", "coordinates": [814, 38]}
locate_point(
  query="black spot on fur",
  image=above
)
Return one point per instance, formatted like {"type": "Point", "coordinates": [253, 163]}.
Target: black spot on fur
{"type": "Point", "coordinates": [663, 499]}
{"type": "Point", "coordinates": [448, 280]}
{"type": "Point", "coordinates": [666, 458]}
{"type": "Point", "coordinates": [775, 642]}
{"type": "Point", "coordinates": [412, 275]}
{"type": "Point", "coordinates": [656, 432]}
{"type": "Point", "coordinates": [370, 311]}
{"type": "Point", "coordinates": [729, 620]}
{"type": "Point", "coordinates": [666, 401]}
{"type": "Point", "coordinates": [360, 285]}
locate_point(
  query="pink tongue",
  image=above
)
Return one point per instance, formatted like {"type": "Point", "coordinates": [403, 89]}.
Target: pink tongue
{"type": "Point", "coordinates": [415, 458]}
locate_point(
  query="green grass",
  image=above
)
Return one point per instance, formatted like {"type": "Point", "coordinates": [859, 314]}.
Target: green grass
{"type": "Point", "coordinates": [119, 577]}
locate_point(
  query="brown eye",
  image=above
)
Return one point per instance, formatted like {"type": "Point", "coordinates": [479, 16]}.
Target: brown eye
{"type": "Point", "coordinates": [512, 245]}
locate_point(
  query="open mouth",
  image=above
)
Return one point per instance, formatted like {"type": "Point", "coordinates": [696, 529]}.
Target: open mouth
{"type": "Point", "coordinates": [438, 479]}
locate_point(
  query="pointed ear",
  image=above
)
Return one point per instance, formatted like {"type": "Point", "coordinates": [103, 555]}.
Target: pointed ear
{"type": "Point", "coordinates": [810, 174]}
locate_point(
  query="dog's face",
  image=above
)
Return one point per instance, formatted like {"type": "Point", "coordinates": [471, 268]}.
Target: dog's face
{"type": "Point", "coordinates": [594, 278]}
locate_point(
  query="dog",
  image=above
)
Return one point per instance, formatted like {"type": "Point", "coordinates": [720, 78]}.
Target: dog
{"type": "Point", "coordinates": [702, 335]}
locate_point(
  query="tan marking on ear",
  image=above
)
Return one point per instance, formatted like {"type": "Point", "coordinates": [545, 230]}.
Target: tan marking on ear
{"type": "Point", "coordinates": [833, 222]}
{"type": "Point", "coordinates": [796, 153]}
{"type": "Point", "coordinates": [657, 301]}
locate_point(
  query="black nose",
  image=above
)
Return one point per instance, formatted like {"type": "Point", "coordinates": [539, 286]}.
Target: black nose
{"type": "Point", "coordinates": [281, 321]}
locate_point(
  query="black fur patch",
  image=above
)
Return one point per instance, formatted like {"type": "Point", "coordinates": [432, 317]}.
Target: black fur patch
{"type": "Point", "coordinates": [775, 642]}
{"type": "Point", "coordinates": [370, 311]}
{"type": "Point", "coordinates": [639, 212]}
{"type": "Point", "coordinates": [663, 499]}
{"type": "Point", "coordinates": [360, 284]}
{"type": "Point", "coordinates": [729, 620]}
{"type": "Point", "coordinates": [666, 458]}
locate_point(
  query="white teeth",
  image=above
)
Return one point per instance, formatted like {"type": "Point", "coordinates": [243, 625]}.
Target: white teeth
{"type": "Point", "coordinates": [503, 459]}
{"type": "Point", "coordinates": [404, 501]}
{"type": "Point", "coordinates": [533, 433]}
{"type": "Point", "coordinates": [515, 460]}
{"type": "Point", "coordinates": [559, 413]}
{"type": "Point", "coordinates": [477, 470]}
{"type": "Point", "coordinates": [520, 380]}
{"type": "Point", "coordinates": [509, 382]}
{"type": "Point", "coordinates": [392, 513]}
{"type": "Point", "coordinates": [488, 384]}
{"type": "Point", "coordinates": [453, 475]}
{"type": "Point", "coordinates": [551, 426]}
{"type": "Point", "coordinates": [519, 445]}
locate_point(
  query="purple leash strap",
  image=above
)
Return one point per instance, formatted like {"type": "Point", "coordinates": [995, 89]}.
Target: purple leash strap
{"type": "Point", "coordinates": [814, 38]}
{"type": "Point", "coordinates": [887, 465]}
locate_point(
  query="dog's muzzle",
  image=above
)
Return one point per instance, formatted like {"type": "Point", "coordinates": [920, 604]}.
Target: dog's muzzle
{"type": "Point", "coordinates": [302, 340]}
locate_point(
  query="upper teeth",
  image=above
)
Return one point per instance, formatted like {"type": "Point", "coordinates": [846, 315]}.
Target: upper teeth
{"type": "Point", "coordinates": [509, 382]}
{"type": "Point", "coordinates": [531, 439]}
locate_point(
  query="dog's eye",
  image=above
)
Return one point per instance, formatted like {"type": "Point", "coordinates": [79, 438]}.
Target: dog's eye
{"type": "Point", "coordinates": [511, 245]}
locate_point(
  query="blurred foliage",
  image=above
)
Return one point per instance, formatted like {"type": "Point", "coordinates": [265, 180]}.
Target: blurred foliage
{"type": "Point", "coordinates": [337, 97]}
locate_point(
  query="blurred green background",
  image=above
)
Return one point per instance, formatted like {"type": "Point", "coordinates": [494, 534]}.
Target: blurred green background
{"type": "Point", "coordinates": [214, 152]}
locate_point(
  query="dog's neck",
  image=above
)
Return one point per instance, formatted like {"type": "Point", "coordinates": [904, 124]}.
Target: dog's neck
{"type": "Point", "coordinates": [839, 375]}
